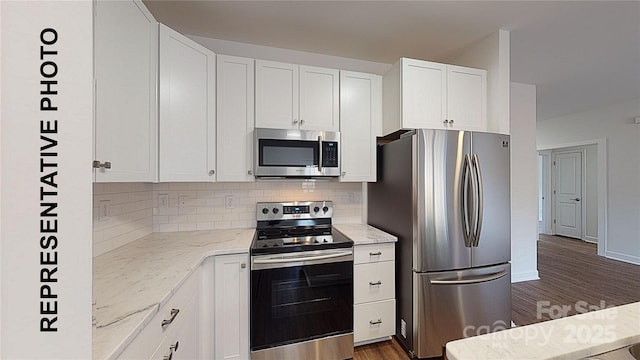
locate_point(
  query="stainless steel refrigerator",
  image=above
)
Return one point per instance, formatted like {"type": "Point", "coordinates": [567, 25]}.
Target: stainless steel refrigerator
{"type": "Point", "coordinates": [445, 195]}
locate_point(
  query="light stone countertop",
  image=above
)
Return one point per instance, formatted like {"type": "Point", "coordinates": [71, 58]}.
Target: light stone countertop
{"type": "Point", "coordinates": [363, 234]}
{"type": "Point", "coordinates": [572, 337]}
{"type": "Point", "coordinates": [132, 282]}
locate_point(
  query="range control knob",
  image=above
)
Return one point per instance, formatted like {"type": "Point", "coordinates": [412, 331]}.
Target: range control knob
{"type": "Point", "coordinates": [325, 209]}
{"type": "Point", "coordinates": [275, 210]}
{"type": "Point", "coordinates": [316, 209]}
{"type": "Point", "coordinates": [265, 211]}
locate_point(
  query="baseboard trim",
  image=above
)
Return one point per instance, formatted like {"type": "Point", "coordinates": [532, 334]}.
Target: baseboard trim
{"type": "Point", "coordinates": [591, 239]}
{"type": "Point", "coordinates": [525, 276]}
{"type": "Point", "coordinates": [623, 257]}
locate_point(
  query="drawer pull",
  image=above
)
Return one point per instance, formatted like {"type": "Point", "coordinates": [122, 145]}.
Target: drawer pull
{"type": "Point", "coordinates": [172, 348]}
{"type": "Point", "coordinates": [377, 322]}
{"type": "Point", "coordinates": [174, 313]}
{"type": "Point", "coordinates": [375, 253]}
{"type": "Point", "coordinates": [377, 283]}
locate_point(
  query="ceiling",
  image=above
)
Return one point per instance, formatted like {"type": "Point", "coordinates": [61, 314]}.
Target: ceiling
{"type": "Point", "coordinates": [580, 54]}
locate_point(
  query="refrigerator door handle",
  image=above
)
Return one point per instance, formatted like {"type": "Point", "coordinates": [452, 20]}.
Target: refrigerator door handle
{"type": "Point", "coordinates": [467, 224]}
{"type": "Point", "coordinates": [470, 280]}
{"type": "Point", "coordinates": [478, 202]}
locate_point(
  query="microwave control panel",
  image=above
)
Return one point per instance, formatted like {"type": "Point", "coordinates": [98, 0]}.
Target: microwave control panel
{"type": "Point", "coordinates": [329, 154]}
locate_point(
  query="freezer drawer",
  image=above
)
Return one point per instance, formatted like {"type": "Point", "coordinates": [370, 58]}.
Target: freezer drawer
{"type": "Point", "coordinates": [453, 305]}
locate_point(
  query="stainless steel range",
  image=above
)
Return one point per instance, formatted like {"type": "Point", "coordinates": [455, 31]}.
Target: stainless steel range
{"type": "Point", "coordinates": [301, 284]}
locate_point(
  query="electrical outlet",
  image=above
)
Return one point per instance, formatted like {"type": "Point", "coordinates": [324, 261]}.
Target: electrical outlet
{"type": "Point", "coordinates": [350, 197]}
{"type": "Point", "coordinates": [163, 201]}
{"type": "Point", "coordinates": [182, 202]}
{"type": "Point", "coordinates": [229, 201]}
{"type": "Point", "coordinates": [103, 210]}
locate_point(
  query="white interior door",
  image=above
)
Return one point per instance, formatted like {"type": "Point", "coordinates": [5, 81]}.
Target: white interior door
{"type": "Point", "coordinates": [568, 191]}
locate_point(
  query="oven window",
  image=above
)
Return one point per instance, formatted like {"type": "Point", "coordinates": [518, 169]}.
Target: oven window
{"type": "Point", "coordinates": [301, 303]}
{"type": "Point", "coordinates": [288, 153]}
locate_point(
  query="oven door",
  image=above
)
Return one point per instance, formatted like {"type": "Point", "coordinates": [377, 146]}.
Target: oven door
{"type": "Point", "coordinates": [296, 153]}
{"type": "Point", "coordinates": [301, 296]}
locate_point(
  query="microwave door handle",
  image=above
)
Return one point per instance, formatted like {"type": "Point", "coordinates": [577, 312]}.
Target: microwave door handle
{"type": "Point", "coordinates": [320, 153]}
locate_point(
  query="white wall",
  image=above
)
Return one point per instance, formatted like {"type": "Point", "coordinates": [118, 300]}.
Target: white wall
{"type": "Point", "coordinates": [290, 56]}
{"type": "Point", "coordinates": [524, 184]}
{"type": "Point", "coordinates": [25, 257]}
{"type": "Point", "coordinates": [615, 124]}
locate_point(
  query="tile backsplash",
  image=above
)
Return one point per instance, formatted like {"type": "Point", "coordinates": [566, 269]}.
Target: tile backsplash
{"type": "Point", "coordinates": [206, 206]}
{"type": "Point", "coordinates": [129, 214]}
{"type": "Point", "coordinates": [134, 210]}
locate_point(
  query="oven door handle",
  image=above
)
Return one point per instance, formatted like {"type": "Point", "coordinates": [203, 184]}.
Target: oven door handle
{"type": "Point", "coordinates": [301, 258]}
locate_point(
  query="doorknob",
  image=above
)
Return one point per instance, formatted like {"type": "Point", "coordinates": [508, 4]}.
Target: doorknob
{"type": "Point", "coordinates": [576, 199]}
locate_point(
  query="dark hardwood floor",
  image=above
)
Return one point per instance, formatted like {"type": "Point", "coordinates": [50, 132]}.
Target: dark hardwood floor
{"type": "Point", "coordinates": [574, 276]}
{"type": "Point", "coordinates": [571, 275]}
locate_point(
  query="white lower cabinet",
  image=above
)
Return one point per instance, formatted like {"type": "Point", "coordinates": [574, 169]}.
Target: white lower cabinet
{"type": "Point", "coordinates": [231, 307]}
{"type": "Point", "coordinates": [374, 311]}
{"type": "Point", "coordinates": [176, 321]}
{"type": "Point", "coordinates": [181, 341]}
{"type": "Point", "coordinates": [374, 320]}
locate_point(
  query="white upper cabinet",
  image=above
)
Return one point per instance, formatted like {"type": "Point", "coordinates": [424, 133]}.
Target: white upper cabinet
{"type": "Point", "coordinates": [187, 109]}
{"type": "Point", "coordinates": [126, 50]}
{"type": "Point", "coordinates": [319, 99]}
{"type": "Point", "coordinates": [360, 121]}
{"type": "Point", "coordinates": [466, 98]}
{"type": "Point", "coordinates": [235, 118]}
{"type": "Point", "coordinates": [290, 96]}
{"type": "Point", "coordinates": [423, 94]}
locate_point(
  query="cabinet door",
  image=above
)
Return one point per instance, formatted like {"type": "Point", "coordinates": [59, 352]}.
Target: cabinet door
{"type": "Point", "coordinates": [319, 99]}
{"type": "Point", "coordinates": [276, 95]}
{"type": "Point", "coordinates": [423, 94]}
{"type": "Point", "coordinates": [231, 304]}
{"type": "Point", "coordinates": [187, 109]}
{"type": "Point", "coordinates": [235, 118]}
{"type": "Point", "coordinates": [126, 50]}
{"type": "Point", "coordinates": [360, 119]}
{"type": "Point", "coordinates": [466, 98]}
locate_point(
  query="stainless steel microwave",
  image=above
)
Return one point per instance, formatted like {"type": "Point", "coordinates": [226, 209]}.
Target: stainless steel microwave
{"type": "Point", "coordinates": [296, 153]}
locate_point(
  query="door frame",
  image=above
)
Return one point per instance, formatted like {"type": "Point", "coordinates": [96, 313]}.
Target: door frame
{"type": "Point", "coordinates": [583, 186]}
{"type": "Point", "coordinates": [602, 185]}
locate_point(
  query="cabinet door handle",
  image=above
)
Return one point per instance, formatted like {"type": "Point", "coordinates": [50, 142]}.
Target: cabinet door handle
{"type": "Point", "coordinates": [451, 122]}
{"type": "Point", "coordinates": [212, 172]}
{"type": "Point", "coordinates": [378, 253]}
{"type": "Point", "coordinates": [377, 322]}
{"type": "Point", "coordinates": [98, 165]}
{"type": "Point", "coordinates": [446, 121]}
{"type": "Point", "coordinates": [174, 313]}
{"type": "Point", "coordinates": [377, 283]}
{"type": "Point", "coordinates": [174, 347]}
{"type": "Point", "coordinates": [243, 265]}
{"type": "Point", "coordinates": [301, 121]}
{"type": "Point", "coordinates": [249, 172]}
{"type": "Point", "coordinates": [295, 121]}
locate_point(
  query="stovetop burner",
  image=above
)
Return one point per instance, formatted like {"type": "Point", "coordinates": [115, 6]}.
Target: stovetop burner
{"type": "Point", "coordinates": [296, 226]}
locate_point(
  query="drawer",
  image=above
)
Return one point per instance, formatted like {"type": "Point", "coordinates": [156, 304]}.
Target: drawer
{"type": "Point", "coordinates": [374, 253]}
{"type": "Point", "coordinates": [373, 282]}
{"type": "Point", "coordinates": [148, 339]}
{"type": "Point", "coordinates": [181, 341]}
{"type": "Point", "coordinates": [374, 320]}
{"type": "Point", "coordinates": [181, 298]}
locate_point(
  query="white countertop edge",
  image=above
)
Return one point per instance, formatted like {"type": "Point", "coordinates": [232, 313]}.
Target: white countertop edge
{"type": "Point", "coordinates": [627, 332]}
{"type": "Point", "coordinates": [151, 312]}
{"type": "Point", "coordinates": [364, 234]}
